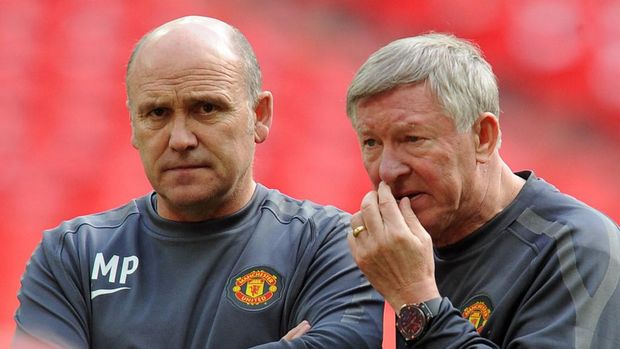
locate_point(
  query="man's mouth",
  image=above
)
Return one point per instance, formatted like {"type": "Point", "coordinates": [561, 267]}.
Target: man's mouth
{"type": "Point", "coordinates": [410, 196]}
{"type": "Point", "coordinates": [184, 167]}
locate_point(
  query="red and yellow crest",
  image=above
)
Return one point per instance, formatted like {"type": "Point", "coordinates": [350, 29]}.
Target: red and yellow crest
{"type": "Point", "coordinates": [255, 288]}
{"type": "Point", "coordinates": [477, 311]}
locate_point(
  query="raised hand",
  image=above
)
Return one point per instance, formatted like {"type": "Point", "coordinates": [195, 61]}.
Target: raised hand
{"type": "Point", "coordinates": [394, 251]}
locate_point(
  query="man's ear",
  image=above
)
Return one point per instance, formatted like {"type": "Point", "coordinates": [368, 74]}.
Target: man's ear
{"type": "Point", "coordinates": [134, 143]}
{"type": "Point", "coordinates": [264, 113]}
{"type": "Point", "coordinates": [488, 136]}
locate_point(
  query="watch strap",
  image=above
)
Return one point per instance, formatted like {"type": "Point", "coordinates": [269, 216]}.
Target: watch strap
{"type": "Point", "coordinates": [433, 305]}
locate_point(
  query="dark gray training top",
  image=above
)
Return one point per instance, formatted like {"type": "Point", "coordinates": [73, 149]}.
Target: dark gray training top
{"type": "Point", "coordinates": [542, 274]}
{"type": "Point", "coordinates": [127, 278]}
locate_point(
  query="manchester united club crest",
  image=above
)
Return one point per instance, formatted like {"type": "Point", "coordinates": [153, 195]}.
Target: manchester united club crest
{"type": "Point", "coordinates": [255, 288]}
{"type": "Point", "coordinates": [478, 310]}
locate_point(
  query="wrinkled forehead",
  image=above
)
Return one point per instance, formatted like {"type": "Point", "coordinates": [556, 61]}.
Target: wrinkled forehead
{"type": "Point", "coordinates": [406, 103]}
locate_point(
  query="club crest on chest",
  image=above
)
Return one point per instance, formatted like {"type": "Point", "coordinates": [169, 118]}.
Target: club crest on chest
{"type": "Point", "coordinates": [477, 310]}
{"type": "Point", "coordinates": [255, 288]}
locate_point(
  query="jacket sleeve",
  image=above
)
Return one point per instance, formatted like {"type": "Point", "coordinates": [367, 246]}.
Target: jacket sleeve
{"type": "Point", "coordinates": [52, 311]}
{"type": "Point", "coordinates": [571, 301]}
{"type": "Point", "coordinates": [338, 301]}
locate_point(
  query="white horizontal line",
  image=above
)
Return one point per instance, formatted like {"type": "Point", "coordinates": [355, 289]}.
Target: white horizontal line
{"type": "Point", "coordinates": [96, 293]}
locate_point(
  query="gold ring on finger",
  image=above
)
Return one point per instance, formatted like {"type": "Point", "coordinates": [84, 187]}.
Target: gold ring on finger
{"type": "Point", "coordinates": [358, 230]}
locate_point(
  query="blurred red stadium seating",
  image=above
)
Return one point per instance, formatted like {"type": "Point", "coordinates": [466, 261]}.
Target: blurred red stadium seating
{"type": "Point", "coordinates": [65, 145]}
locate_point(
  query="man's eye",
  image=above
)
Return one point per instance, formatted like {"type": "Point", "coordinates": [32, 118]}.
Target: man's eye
{"type": "Point", "coordinates": [158, 112]}
{"type": "Point", "coordinates": [412, 139]}
{"type": "Point", "coordinates": [208, 108]}
{"type": "Point", "coordinates": [369, 142]}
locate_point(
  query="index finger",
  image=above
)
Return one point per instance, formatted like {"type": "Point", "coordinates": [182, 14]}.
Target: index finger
{"type": "Point", "coordinates": [388, 207]}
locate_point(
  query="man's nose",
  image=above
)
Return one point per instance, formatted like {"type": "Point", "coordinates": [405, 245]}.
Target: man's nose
{"type": "Point", "coordinates": [182, 136]}
{"type": "Point", "coordinates": [392, 166]}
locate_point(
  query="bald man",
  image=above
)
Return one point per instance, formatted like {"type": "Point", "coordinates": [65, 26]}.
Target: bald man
{"type": "Point", "coordinates": [210, 258]}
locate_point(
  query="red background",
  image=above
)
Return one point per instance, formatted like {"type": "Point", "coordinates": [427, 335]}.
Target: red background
{"type": "Point", "coordinates": [64, 129]}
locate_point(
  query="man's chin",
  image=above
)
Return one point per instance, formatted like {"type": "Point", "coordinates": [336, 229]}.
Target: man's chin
{"type": "Point", "coordinates": [429, 220]}
{"type": "Point", "coordinates": [190, 198]}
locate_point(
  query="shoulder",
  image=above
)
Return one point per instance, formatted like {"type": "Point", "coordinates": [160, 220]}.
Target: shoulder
{"type": "Point", "coordinates": [584, 245]}
{"type": "Point", "coordinates": [94, 226]}
{"type": "Point", "coordinates": [581, 238]}
{"type": "Point", "coordinates": [66, 250]}
{"type": "Point", "coordinates": [554, 213]}
{"type": "Point", "coordinates": [287, 209]}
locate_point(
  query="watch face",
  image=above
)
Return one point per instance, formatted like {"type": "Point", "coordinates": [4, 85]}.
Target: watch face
{"type": "Point", "coordinates": [411, 322]}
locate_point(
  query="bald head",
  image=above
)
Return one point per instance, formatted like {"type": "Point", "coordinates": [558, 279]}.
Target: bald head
{"type": "Point", "coordinates": [205, 38]}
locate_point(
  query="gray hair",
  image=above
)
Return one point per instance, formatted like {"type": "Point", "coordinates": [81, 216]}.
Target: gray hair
{"type": "Point", "coordinates": [240, 44]}
{"type": "Point", "coordinates": [250, 68]}
{"type": "Point", "coordinates": [454, 69]}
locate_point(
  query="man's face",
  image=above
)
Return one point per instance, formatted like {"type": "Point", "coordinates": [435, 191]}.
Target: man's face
{"type": "Point", "coordinates": [193, 126]}
{"type": "Point", "coordinates": [409, 143]}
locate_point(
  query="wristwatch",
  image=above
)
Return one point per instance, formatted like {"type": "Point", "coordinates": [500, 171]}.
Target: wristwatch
{"type": "Point", "coordinates": [414, 319]}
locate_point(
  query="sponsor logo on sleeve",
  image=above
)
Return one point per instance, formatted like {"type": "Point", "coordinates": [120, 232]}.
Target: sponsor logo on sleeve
{"type": "Point", "coordinates": [478, 310]}
{"type": "Point", "coordinates": [254, 288]}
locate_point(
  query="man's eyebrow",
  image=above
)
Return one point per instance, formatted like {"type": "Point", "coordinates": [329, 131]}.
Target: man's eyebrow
{"type": "Point", "coordinates": [199, 96]}
{"type": "Point", "coordinates": [149, 103]}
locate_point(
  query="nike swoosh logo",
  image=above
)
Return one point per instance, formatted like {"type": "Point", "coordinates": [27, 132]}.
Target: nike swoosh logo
{"type": "Point", "coordinates": [96, 293]}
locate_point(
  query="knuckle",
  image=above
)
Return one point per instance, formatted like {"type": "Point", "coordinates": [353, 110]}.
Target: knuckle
{"type": "Point", "coordinates": [384, 204]}
{"type": "Point", "coordinates": [426, 238]}
{"type": "Point", "coordinates": [366, 205]}
{"type": "Point", "coordinates": [357, 217]}
{"type": "Point", "coordinates": [400, 238]}
{"type": "Point", "coordinates": [362, 261]}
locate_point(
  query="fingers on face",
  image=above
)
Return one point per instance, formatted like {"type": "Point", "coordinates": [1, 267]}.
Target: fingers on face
{"type": "Point", "coordinates": [379, 210]}
{"type": "Point", "coordinates": [391, 211]}
{"type": "Point", "coordinates": [407, 212]}
{"type": "Point", "coordinates": [412, 220]}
